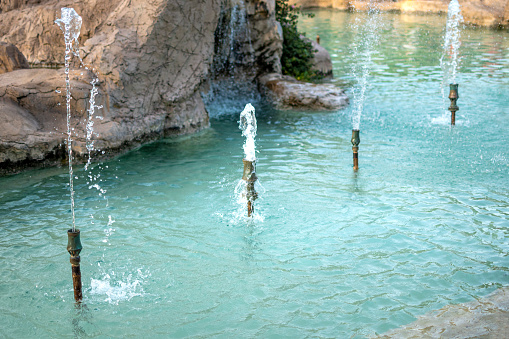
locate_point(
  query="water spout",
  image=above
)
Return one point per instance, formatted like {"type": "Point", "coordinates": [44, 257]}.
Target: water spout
{"type": "Point", "coordinates": [449, 61]}
{"type": "Point", "coordinates": [70, 24]}
{"type": "Point", "coordinates": [248, 126]}
{"type": "Point", "coordinates": [74, 248]}
{"type": "Point", "coordinates": [453, 96]}
{"type": "Point", "coordinates": [355, 148]}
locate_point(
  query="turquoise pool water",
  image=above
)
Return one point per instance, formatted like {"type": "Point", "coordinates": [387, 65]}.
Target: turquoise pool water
{"type": "Point", "coordinates": [330, 252]}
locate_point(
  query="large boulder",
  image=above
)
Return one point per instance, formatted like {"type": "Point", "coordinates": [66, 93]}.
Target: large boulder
{"type": "Point", "coordinates": [322, 62]}
{"type": "Point", "coordinates": [288, 93]}
{"type": "Point", "coordinates": [11, 58]}
{"type": "Point", "coordinates": [150, 58]}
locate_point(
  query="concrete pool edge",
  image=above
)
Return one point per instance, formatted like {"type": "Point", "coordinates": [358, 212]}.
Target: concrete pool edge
{"type": "Point", "coordinates": [486, 317]}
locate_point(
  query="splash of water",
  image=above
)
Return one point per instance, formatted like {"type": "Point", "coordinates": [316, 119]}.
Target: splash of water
{"type": "Point", "coordinates": [247, 124]}
{"type": "Point", "coordinates": [70, 24]}
{"type": "Point", "coordinates": [365, 42]}
{"type": "Point", "coordinates": [450, 60]}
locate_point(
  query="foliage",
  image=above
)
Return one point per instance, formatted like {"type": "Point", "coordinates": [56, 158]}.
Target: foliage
{"type": "Point", "coordinates": [297, 53]}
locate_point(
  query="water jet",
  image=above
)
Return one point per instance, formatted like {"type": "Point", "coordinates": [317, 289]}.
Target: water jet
{"type": "Point", "coordinates": [355, 148]}
{"type": "Point", "coordinates": [453, 96]}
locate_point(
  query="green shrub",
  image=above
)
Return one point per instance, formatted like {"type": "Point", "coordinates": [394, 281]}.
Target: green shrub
{"type": "Point", "coordinates": [297, 53]}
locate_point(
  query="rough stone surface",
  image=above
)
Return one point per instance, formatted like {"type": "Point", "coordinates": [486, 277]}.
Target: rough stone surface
{"type": "Point", "coordinates": [248, 40]}
{"type": "Point", "coordinates": [287, 93]}
{"type": "Point", "coordinates": [322, 62]}
{"type": "Point", "coordinates": [489, 13]}
{"type": "Point", "coordinates": [11, 58]}
{"type": "Point", "coordinates": [484, 318]}
{"type": "Point", "coordinates": [150, 57]}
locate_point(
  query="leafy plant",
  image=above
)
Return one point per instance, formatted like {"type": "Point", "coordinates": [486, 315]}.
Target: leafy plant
{"type": "Point", "coordinates": [297, 53]}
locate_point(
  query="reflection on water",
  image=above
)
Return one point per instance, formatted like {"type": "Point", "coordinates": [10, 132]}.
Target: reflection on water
{"type": "Point", "coordinates": [423, 224]}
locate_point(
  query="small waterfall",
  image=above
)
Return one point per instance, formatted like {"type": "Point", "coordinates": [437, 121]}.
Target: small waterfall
{"type": "Point", "coordinates": [233, 46]}
{"type": "Point", "coordinates": [365, 42]}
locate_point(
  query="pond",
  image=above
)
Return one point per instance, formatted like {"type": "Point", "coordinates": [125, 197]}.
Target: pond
{"type": "Point", "coordinates": [329, 252]}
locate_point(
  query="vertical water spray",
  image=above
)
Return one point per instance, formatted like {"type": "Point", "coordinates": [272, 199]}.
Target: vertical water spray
{"type": "Point", "coordinates": [449, 61]}
{"type": "Point", "coordinates": [247, 124]}
{"type": "Point", "coordinates": [70, 24]}
{"type": "Point", "coordinates": [366, 39]}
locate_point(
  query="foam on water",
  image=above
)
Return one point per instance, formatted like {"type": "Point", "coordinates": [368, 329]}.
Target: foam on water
{"type": "Point", "coordinates": [247, 124]}
{"type": "Point", "coordinates": [114, 290]}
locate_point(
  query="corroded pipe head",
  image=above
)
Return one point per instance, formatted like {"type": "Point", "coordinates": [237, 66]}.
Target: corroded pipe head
{"type": "Point", "coordinates": [453, 94]}
{"type": "Point", "coordinates": [355, 138]}
{"type": "Point", "coordinates": [73, 243]}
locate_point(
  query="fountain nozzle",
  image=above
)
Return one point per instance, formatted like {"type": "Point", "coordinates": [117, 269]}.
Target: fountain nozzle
{"type": "Point", "coordinates": [74, 248]}
{"type": "Point", "coordinates": [355, 142]}
{"type": "Point", "coordinates": [453, 96]}
{"type": "Point", "coordinates": [249, 176]}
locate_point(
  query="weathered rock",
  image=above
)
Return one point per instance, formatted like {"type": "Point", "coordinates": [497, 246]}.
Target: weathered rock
{"type": "Point", "coordinates": [287, 93]}
{"type": "Point", "coordinates": [322, 62]}
{"type": "Point", "coordinates": [150, 58]}
{"type": "Point", "coordinates": [32, 105]}
{"type": "Point", "coordinates": [11, 58]}
{"type": "Point", "coordinates": [489, 13]}
{"type": "Point", "coordinates": [247, 40]}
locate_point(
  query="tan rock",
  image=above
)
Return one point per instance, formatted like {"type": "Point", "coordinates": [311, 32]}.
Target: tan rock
{"type": "Point", "coordinates": [287, 93]}
{"type": "Point", "coordinates": [11, 58]}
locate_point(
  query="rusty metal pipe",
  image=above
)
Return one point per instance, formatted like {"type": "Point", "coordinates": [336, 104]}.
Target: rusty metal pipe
{"type": "Point", "coordinates": [453, 96]}
{"type": "Point", "coordinates": [355, 148]}
{"type": "Point", "coordinates": [74, 248]}
{"type": "Point", "coordinates": [249, 176]}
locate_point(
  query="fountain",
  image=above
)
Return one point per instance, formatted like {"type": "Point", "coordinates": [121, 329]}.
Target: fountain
{"type": "Point", "coordinates": [449, 61]}
{"type": "Point", "coordinates": [247, 124]}
{"type": "Point", "coordinates": [70, 24]}
{"type": "Point", "coordinates": [337, 255]}
{"type": "Point", "coordinates": [363, 47]}
{"type": "Point", "coordinates": [355, 148]}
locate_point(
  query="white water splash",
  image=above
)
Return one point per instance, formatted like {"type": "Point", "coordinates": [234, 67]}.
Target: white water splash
{"type": "Point", "coordinates": [70, 24]}
{"type": "Point", "coordinates": [247, 124]}
{"type": "Point", "coordinates": [113, 289]}
{"type": "Point", "coordinates": [365, 42]}
{"type": "Point", "coordinates": [449, 61]}
{"type": "Point", "coordinates": [90, 123]}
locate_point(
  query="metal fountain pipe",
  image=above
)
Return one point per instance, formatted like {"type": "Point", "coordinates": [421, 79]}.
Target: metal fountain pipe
{"type": "Point", "coordinates": [249, 176]}
{"type": "Point", "coordinates": [74, 248]}
{"type": "Point", "coordinates": [453, 96]}
{"type": "Point", "coordinates": [355, 142]}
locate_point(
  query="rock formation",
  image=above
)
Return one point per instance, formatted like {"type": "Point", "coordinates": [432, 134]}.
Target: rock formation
{"type": "Point", "coordinates": [489, 13]}
{"type": "Point", "coordinates": [11, 58]}
{"type": "Point", "coordinates": [151, 58]}
{"type": "Point", "coordinates": [288, 93]}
